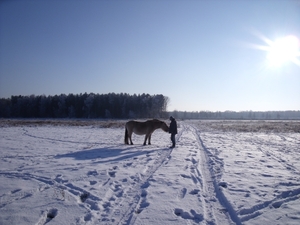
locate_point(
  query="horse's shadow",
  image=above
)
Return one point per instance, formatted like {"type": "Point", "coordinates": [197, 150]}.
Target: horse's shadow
{"type": "Point", "coordinates": [109, 154]}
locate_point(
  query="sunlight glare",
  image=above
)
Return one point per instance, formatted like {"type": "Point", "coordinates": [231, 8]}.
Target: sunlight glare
{"type": "Point", "coordinates": [283, 50]}
{"type": "Point", "coordinates": [280, 52]}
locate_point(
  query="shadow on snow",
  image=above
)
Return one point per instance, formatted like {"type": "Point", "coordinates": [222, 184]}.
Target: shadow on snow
{"type": "Point", "coordinates": [108, 154]}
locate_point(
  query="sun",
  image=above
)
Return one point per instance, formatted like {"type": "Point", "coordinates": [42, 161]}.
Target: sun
{"type": "Point", "coordinates": [281, 51]}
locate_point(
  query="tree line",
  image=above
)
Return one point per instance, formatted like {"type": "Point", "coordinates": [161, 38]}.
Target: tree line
{"type": "Point", "coordinates": [85, 106]}
{"type": "Point", "coordinates": [243, 115]}
{"type": "Point", "coordinates": [118, 106]}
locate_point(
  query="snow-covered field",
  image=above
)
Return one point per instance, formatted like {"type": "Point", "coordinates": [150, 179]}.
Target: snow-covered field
{"type": "Point", "coordinates": [221, 172]}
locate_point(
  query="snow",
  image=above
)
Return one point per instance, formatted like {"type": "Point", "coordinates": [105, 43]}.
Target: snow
{"type": "Point", "coordinates": [86, 175]}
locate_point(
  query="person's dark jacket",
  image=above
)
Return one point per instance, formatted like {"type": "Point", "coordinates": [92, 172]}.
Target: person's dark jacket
{"type": "Point", "coordinates": [173, 126]}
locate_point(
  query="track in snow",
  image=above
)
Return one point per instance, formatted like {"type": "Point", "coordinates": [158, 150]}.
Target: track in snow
{"type": "Point", "coordinates": [216, 208]}
{"type": "Point", "coordinates": [136, 195]}
{"type": "Point", "coordinates": [92, 172]}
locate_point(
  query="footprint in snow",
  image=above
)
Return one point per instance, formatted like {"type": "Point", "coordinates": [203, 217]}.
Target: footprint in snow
{"type": "Point", "coordinates": [128, 164]}
{"type": "Point", "coordinates": [112, 173]}
{"type": "Point", "coordinates": [182, 193]}
{"type": "Point", "coordinates": [51, 214]}
{"type": "Point", "coordinates": [192, 215]}
{"type": "Point", "coordinates": [194, 192]}
{"type": "Point", "coordinates": [15, 191]}
{"type": "Point", "coordinates": [116, 186]}
{"type": "Point", "coordinates": [93, 182]}
{"type": "Point", "coordinates": [48, 216]}
{"type": "Point", "coordinates": [143, 202]}
{"type": "Point", "coordinates": [87, 217]}
{"type": "Point", "coordinates": [92, 173]}
{"type": "Point", "coordinates": [84, 196]}
{"type": "Point", "coordinates": [223, 184]}
{"type": "Point", "coordinates": [185, 176]}
{"type": "Point", "coordinates": [145, 185]}
{"type": "Point", "coordinates": [194, 161]}
{"type": "Point", "coordinates": [106, 206]}
{"type": "Point", "coordinates": [144, 193]}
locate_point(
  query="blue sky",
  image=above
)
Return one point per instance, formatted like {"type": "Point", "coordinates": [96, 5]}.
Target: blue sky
{"type": "Point", "coordinates": [201, 54]}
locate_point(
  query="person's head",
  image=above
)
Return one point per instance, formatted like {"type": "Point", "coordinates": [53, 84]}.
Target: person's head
{"type": "Point", "coordinates": [171, 118]}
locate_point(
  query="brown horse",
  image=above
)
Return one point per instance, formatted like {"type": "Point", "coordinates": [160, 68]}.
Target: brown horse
{"type": "Point", "coordinates": [141, 128]}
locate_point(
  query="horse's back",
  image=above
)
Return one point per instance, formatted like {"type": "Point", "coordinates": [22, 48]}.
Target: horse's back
{"type": "Point", "coordinates": [143, 125]}
{"type": "Point", "coordinates": [137, 127]}
{"type": "Point", "coordinates": [133, 124]}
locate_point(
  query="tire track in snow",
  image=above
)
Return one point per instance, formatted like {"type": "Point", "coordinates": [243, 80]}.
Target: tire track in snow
{"type": "Point", "coordinates": [217, 209]}
{"type": "Point", "coordinates": [137, 192]}
{"type": "Point", "coordinates": [136, 195]}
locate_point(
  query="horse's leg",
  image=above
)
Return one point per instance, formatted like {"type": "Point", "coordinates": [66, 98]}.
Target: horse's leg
{"type": "Point", "coordinates": [146, 137]}
{"type": "Point", "coordinates": [126, 136]}
{"type": "Point", "coordinates": [130, 135]}
{"type": "Point", "coordinates": [149, 139]}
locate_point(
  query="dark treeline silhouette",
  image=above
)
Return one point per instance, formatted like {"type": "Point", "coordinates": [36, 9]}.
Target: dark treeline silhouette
{"type": "Point", "coordinates": [85, 106]}
{"type": "Point", "coordinates": [118, 106]}
{"type": "Point", "coordinates": [244, 115]}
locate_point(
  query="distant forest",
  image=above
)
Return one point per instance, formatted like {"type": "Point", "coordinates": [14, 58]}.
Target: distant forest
{"type": "Point", "coordinates": [118, 106]}
{"type": "Point", "coordinates": [244, 115]}
{"type": "Point", "coordinates": [85, 106]}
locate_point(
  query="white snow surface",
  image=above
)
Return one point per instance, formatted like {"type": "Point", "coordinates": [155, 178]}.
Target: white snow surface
{"type": "Point", "coordinates": [87, 175]}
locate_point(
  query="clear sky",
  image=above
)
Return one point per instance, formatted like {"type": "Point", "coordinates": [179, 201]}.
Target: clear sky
{"type": "Point", "coordinates": [204, 55]}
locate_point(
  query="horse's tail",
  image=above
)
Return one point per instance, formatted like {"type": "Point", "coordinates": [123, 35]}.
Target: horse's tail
{"type": "Point", "coordinates": [126, 136]}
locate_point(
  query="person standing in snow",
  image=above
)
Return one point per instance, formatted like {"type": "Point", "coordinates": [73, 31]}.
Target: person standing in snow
{"type": "Point", "coordinates": [173, 130]}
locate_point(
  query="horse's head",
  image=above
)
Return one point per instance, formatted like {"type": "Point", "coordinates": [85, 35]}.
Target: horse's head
{"type": "Point", "coordinates": [164, 127]}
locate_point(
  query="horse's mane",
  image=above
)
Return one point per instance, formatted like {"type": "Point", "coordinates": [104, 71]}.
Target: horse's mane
{"type": "Point", "coordinates": [156, 121]}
